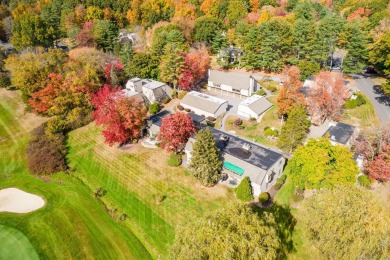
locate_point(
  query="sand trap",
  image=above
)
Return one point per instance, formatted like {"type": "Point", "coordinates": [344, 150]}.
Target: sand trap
{"type": "Point", "coordinates": [17, 201]}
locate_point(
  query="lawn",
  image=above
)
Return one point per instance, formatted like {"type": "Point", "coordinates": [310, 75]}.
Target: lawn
{"type": "Point", "coordinates": [254, 131]}
{"type": "Point", "coordinates": [73, 224]}
{"type": "Point", "coordinates": [15, 245]}
{"type": "Point", "coordinates": [134, 179]}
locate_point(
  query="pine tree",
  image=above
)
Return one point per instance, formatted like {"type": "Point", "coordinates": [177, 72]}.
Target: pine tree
{"type": "Point", "coordinates": [295, 129]}
{"type": "Point", "coordinates": [304, 38]}
{"type": "Point", "coordinates": [205, 163]}
{"type": "Point", "coordinates": [171, 65]}
{"type": "Point", "coordinates": [244, 190]}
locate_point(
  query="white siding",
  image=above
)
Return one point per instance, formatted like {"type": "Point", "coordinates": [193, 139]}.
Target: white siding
{"type": "Point", "coordinates": [201, 112]}
{"type": "Point", "coordinates": [255, 189]}
{"type": "Point", "coordinates": [226, 87]}
{"type": "Point", "coordinates": [246, 112]}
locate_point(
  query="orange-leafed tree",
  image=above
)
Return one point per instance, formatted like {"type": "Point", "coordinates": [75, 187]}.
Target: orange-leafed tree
{"type": "Point", "coordinates": [122, 117]}
{"type": "Point", "coordinates": [211, 7]}
{"type": "Point", "coordinates": [175, 131]}
{"type": "Point", "coordinates": [290, 94]}
{"type": "Point", "coordinates": [195, 67]}
{"type": "Point", "coordinates": [327, 96]}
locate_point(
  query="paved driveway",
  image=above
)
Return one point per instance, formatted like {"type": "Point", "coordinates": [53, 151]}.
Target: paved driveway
{"type": "Point", "coordinates": [380, 102]}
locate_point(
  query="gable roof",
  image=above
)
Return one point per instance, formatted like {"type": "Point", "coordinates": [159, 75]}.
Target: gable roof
{"type": "Point", "coordinates": [196, 118]}
{"type": "Point", "coordinates": [152, 84]}
{"type": "Point", "coordinates": [340, 132]}
{"type": "Point", "coordinates": [258, 104]}
{"type": "Point", "coordinates": [202, 101]}
{"type": "Point", "coordinates": [157, 118]}
{"type": "Point", "coordinates": [234, 79]}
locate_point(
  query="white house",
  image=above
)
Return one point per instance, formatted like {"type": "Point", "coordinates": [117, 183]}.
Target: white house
{"type": "Point", "coordinates": [204, 105]}
{"type": "Point", "coordinates": [241, 84]}
{"type": "Point", "coordinates": [244, 158]}
{"type": "Point", "coordinates": [154, 91]}
{"type": "Point", "coordinates": [253, 107]}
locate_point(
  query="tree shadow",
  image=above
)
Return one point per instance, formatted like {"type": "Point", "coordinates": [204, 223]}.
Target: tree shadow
{"type": "Point", "coordinates": [383, 99]}
{"type": "Point", "coordinates": [285, 222]}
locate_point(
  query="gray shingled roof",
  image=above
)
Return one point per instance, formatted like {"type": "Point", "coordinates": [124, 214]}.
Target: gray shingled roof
{"type": "Point", "coordinates": [234, 79]}
{"type": "Point", "coordinates": [258, 104]}
{"type": "Point", "coordinates": [341, 132]}
{"type": "Point", "coordinates": [202, 101]}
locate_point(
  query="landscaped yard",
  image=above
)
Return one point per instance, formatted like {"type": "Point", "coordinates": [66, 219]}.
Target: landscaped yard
{"type": "Point", "coordinates": [254, 131]}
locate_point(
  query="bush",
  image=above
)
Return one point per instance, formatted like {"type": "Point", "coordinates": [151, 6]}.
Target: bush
{"type": "Point", "coordinates": [265, 128]}
{"type": "Point", "coordinates": [174, 159]}
{"type": "Point", "coordinates": [270, 87]}
{"type": "Point", "coordinates": [211, 124]}
{"type": "Point", "coordinates": [174, 93]}
{"type": "Point", "coordinates": [271, 132]}
{"type": "Point", "coordinates": [252, 119]}
{"type": "Point", "coordinates": [182, 94]}
{"type": "Point", "coordinates": [210, 118]}
{"type": "Point", "coordinates": [278, 184]}
{"type": "Point", "coordinates": [283, 177]}
{"type": "Point", "coordinates": [238, 122]}
{"type": "Point", "coordinates": [364, 181]}
{"type": "Point", "coordinates": [5, 80]}
{"type": "Point", "coordinates": [297, 197]}
{"type": "Point", "coordinates": [180, 107]}
{"type": "Point", "coordinates": [46, 154]}
{"type": "Point", "coordinates": [350, 103]}
{"type": "Point", "coordinates": [165, 100]}
{"type": "Point", "coordinates": [264, 197]}
{"type": "Point", "coordinates": [244, 190]}
{"type": "Point", "coordinates": [261, 92]}
{"type": "Point", "coordinates": [360, 99]}
{"type": "Point", "coordinates": [154, 108]}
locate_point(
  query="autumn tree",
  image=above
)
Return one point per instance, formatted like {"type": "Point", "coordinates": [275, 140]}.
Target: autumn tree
{"type": "Point", "coordinates": [291, 94]}
{"type": "Point", "coordinates": [326, 97]}
{"type": "Point", "coordinates": [205, 163]}
{"type": "Point", "coordinates": [211, 7]}
{"type": "Point", "coordinates": [236, 11]}
{"type": "Point", "coordinates": [233, 233]}
{"type": "Point", "coordinates": [175, 131]}
{"type": "Point", "coordinates": [121, 117]}
{"type": "Point", "coordinates": [294, 130]}
{"type": "Point", "coordinates": [319, 164]}
{"type": "Point", "coordinates": [143, 65]}
{"type": "Point", "coordinates": [380, 53]}
{"type": "Point", "coordinates": [346, 223]}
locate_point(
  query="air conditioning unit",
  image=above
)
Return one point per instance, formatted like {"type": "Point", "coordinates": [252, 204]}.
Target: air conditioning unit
{"type": "Point", "coordinates": [246, 147]}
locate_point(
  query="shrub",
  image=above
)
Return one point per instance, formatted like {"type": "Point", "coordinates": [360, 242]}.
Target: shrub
{"type": "Point", "coordinates": [174, 159]}
{"type": "Point", "coordinates": [360, 99]}
{"type": "Point", "coordinates": [174, 93]}
{"type": "Point", "coordinates": [350, 103]}
{"type": "Point", "coordinates": [364, 181]}
{"type": "Point", "coordinates": [265, 128]}
{"type": "Point", "coordinates": [165, 100]}
{"type": "Point", "coordinates": [278, 184]}
{"type": "Point", "coordinates": [180, 107]}
{"type": "Point", "coordinates": [187, 109]}
{"type": "Point", "coordinates": [283, 177]}
{"type": "Point", "coordinates": [270, 87]}
{"type": "Point", "coordinates": [182, 94]}
{"type": "Point", "coordinates": [5, 80]}
{"type": "Point", "coordinates": [154, 108]}
{"type": "Point", "coordinates": [264, 197]}
{"type": "Point", "coordinates": [244, 190]}
{"type": "Point", "coordinates": [46, 154]}
{"type": "Point", "coordinates": [252, 119]}
{"type": "Point", "coordinates": [261, 92]}
{"type": "Point", "coordinates": [210, 118]}
{"type": "Point", "coordinates": [271, 132]}
{"type": "Point", "coordinates": [211, 124]}
{"type": "Point", "coordinates": [238, 122]}
{"type": "Point", "coordinates": [297, 197]}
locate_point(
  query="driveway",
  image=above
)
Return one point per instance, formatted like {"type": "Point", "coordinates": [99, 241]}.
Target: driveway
{"type": "Point", "coordinates": [380, 102]}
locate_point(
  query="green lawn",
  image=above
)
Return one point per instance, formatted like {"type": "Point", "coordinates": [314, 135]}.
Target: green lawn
{"type": "Point", "coordinates": [15, 245]}
{"type": "Point", "coordinates": [73, 224]}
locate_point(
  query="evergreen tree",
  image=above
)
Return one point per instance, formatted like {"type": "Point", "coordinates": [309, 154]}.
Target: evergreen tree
{"type": "Point", "coordinates": [205, 163]}
{"type": "Point", "coordinates": [106, 34]}
{"type": "Point", "coordinates": [294, 130]}
{"type": "Point", "coordinates": [219, 41]}
{"type": "Point", "coordinates": [171, 65]}
{"type": "Point", "coordinates": [236, 11]}
{"type": "Point", "coordinates": [304, 36]}
{"type": "Point", "coordinates": [244, 190]}
{"type": "Point", "coordinates": [126, 53]}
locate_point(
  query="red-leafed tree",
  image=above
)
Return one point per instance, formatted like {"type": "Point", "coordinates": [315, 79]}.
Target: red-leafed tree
{"type": "Point", "coordinates": [114, 73]}
{"type": "Point", "coordinates": [374, 144]}
{"type": "Point", "coordinates": [327, 96]}
{"type": "Point", "coordinates": [85, 37]}
{"type": "Point", "coordinates": [195, 68]}
{"type": "Point", "coordinates": [122, 117]}
{"type": "Point", "coordinates": [290, 94]}
{"type": "Point", "coordinates": [175, 131]}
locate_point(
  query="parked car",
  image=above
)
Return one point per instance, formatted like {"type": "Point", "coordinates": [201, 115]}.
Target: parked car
{"type": "Point", "coordinates": [336, 68]}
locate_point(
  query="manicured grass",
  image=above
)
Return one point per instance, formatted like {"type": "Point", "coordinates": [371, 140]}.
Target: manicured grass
{"type": "Point", "coordinates": [135, 179]}
{"type": "Point", "coordinates": [363, 116]}
{"type": "Point", "coordinates": [15, 245]}
{"type": "Point", "coordinates": [73, 224]}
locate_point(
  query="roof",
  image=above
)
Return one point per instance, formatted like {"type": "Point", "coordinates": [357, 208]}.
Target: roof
{"type": "Point", "coordinates": [128, 93]}
{"type": "Point", "coordinates": [202, 101]}
{"type": "Point", "coordinates": [152, 84]}
{"type": "Point", "coordinates": [258, 104]}
{"type": "Point", "coordinates": [340, 132]}
{"type": "Point", "coordinates": [257, 155]}
{"type": "Point", "coordinates": [196, 118]}
{"type": "Point", "coordinates": [157, 118]}
{"type": "Point", "coordinates": [234, 79]}
{"type": "Point", "coordinates": [134, 79]}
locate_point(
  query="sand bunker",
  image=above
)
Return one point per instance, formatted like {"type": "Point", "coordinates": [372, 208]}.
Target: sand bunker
{"type": "Point", "coordinates": [17, 201]}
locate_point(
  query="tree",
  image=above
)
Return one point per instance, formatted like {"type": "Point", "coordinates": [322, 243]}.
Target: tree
{"type": "Point", "coordinates": [105, 33]}
{"type": "Point", "coordinates": [308, 68]}
{"type": "Point", "coordinates": [244, 190]}
{"type": "Point", "coordinates": [304, 35]}
{"type": "Point", "coordinates": [123, 118]}
{"type": "Point", "coordinates": [210, 7]}
{"type": "Point", "coordinates": [294, 130]}
{"type": "Point", "coordinates": [319, 164]}
{"type": "Point", "coordinates": [233, 233]}
{"type": "Point", "coordinates": [291, 94]}
{"type": "Point", "coordinates": [175, 131]}
{"type": "Point", "coordinates": [380, 53]}
{"type": "Point", "coordinates": [205, 163]}
{"type": "Point", "coordinates": [154, 108]}
{"type": "Point", "coordinates": [327, 96]}
{"type": "Point", "coordinates": [236, 11]}
{"type": "Point", "coordinates": [172, 62]}
{"type": "Point", "coordinates": [346, 223]}
{"type": "Point", "coordinates": [143, 65]}
{"type": "Point", "coordinates": [206, 28]}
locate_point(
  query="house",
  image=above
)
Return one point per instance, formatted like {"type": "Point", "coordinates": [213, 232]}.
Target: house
{"type": "Point", "coordinates": [127, 37]}
{"type": "Point", "coordinates": [253, 107]}
{"type": "Point", "coordinates": [154, 91]}
{"type": "Point", "coordinates": [231, 53]}
{"type": "Point", "coordinates": [341, 133]}
{"type": "Point", "coordinates": [240, 84]}
{"type": "Point", "coordinates": [203, 104]}
{"type": "Point", "coordinates": [243, 158]}
{"type": "Point", "coordinates": [132, 94]}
